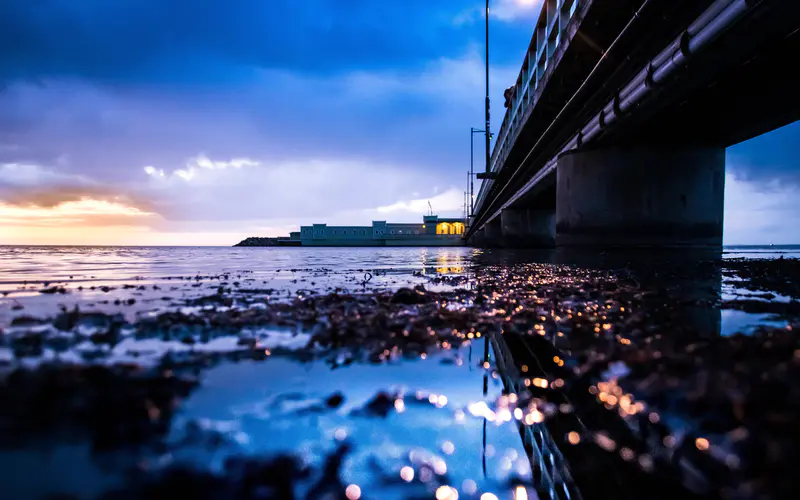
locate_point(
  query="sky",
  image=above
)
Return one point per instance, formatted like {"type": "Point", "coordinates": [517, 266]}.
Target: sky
{"type": "Point", "coordinates": [202, 122]}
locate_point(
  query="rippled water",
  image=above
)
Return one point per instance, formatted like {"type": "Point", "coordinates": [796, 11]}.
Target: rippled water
{"type": "Point", "coordinates": [258, 408]}
{"type": "Point", "coordinates": [181, 272]}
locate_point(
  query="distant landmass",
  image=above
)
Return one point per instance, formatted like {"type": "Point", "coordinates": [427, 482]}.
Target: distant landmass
{"type": "Point", "coordinates": [433, 231]}
{"type": "Point", "coordinates": [255, 241]}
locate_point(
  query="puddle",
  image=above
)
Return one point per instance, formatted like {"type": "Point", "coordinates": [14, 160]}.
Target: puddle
{"type": "Point", "coordinates": [430, 437]}
{"type": "Point", "coordinates": [734, 321]}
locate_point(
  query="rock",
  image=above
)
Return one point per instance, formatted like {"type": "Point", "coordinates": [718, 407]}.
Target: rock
{"type": "Point", "coordinates": [408, 296]}
{"type": "Point", "coordinates": [380, 405]}
{"type": "Point", "coordinates": [335, 400]}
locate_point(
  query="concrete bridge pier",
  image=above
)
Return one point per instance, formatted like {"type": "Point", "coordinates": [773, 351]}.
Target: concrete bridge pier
{"type": "Point", "coordinates": [478, 239]}
{"type": "Point", "coordinates": [648, 197]}
{"type": "Point", "coordinates": [528, 228]}
{"type": "Point", "coordinates": [493, 234]}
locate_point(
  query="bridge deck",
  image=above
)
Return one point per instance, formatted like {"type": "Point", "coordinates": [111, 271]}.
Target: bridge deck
{"type": "Point", "coordinates": [741, 88]}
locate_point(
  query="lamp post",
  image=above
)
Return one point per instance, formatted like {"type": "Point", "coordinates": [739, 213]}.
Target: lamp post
{"type": "Point", "coordinates": [487, 174]}
{"type": "Point", "coordinates": [472, 132]}
{"type": "Point", "coordinates": [487, 126]}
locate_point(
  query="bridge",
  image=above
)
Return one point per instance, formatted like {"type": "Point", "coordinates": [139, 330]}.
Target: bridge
{"type": "Point", "coordinates": [616, 128]}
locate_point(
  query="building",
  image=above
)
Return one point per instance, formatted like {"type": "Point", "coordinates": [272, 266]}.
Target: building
{"type": "Point", "coordinates": [433, 231]}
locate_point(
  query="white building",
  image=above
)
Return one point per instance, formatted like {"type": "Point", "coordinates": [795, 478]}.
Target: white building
{"type": "Point", "coordinates": [433, 231]}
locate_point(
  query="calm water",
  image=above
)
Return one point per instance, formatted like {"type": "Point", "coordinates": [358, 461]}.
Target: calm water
{"type": "Point", "coordinates": [25, 270]}
{"type": "Point", "coordinates": [259, 408]}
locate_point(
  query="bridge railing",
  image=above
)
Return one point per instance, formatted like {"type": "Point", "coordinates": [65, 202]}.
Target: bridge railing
{"type": "Point", "coordinates": [547, 36]}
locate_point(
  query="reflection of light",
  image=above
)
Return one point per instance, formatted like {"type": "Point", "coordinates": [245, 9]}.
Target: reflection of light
{"type": "Point", "coordinates": [353, 492]}
{"type": "Point", "coordinates": [534, 417]}
{"type": "Point", "coordinates": [504, 415]}
{"type": "Point", "coordinates": [480, 409]}
{"type": "Point", "coordinates": [574, 437]}
{"type": "Point", "coordinates": [469, 486]}
{"type": "Point", "coordinates": [520, 493]}
{"type": "Point", "coordinates": [407, 474]}
{"type": "Point", "coordinates": [446, 493]}
{"type": "Point", "coordinates": [605, 442]}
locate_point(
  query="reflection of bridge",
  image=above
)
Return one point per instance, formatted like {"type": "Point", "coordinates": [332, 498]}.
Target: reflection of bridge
{"type": "Point", "coordinates": [587, 471]}
{"type": "Point", "coordinates": [566, 469]}
{"type": "Point", "coordinates": [618, 122]}
{"type": "Point", "coordinates": [551, 475]}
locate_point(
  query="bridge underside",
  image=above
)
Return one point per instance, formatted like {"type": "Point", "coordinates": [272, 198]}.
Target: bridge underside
{"type": "Point", "coordinates": [656, 178]}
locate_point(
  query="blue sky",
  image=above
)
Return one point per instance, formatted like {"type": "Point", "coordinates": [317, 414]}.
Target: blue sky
{"type": "Point", "coordinates": [205, 121]}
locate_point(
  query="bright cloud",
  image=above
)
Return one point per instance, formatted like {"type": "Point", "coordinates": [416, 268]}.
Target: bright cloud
{"type": "Point", "coordinates": [451, 200]}
{"type": "Point", "coordinates": [200, 162]}
{"type": "Point", "coordinates": [71, 212]}
{"type": "Point", "coordinates": [508, 10]}
{"type": "Point", "coordinates": [502, 10]}
{"type": "Point", "coordinates": [154, 172]}
{"type": "Point", "coordinates": [25, 175]}
{"type": "Point", "coordinates": [760, 213]}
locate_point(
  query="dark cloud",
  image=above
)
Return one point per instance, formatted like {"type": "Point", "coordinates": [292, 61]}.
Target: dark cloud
{"type": "Point", "coordinates": [49, 196]}
{"type": "Point", "coordinates": [414, 119]}
{"type": "Point", "coordinates": [770, 157]}
{"type": "Point", "coordinates": [103, 88]}
{"type": "Point", "coordinates": [26, 185]}
{"type": "Point", "coordinates": [201, 42]}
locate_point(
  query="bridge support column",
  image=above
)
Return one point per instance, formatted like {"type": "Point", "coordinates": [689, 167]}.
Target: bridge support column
{"type": "Point", "coordinates": [478, 239]}
{"type": "Point", "coordinates": [657, 197]}
{"type": "Point", "coordinates": [493, 233]}
{"type": "Point", "coordinates": [528, 228]}
{"type": "Point", "coordinates": [542, 228]}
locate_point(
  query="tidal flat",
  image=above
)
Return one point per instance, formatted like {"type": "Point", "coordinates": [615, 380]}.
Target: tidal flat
{"type": "Point", "coordinates": [413, 373]}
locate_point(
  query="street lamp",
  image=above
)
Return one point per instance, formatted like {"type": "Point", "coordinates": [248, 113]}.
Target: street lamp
{"type": "Point", "coordinates": [472, 132]}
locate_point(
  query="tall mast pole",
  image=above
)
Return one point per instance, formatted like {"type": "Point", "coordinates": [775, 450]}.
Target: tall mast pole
{"type": "Point", "coordinates": [487, 128]}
